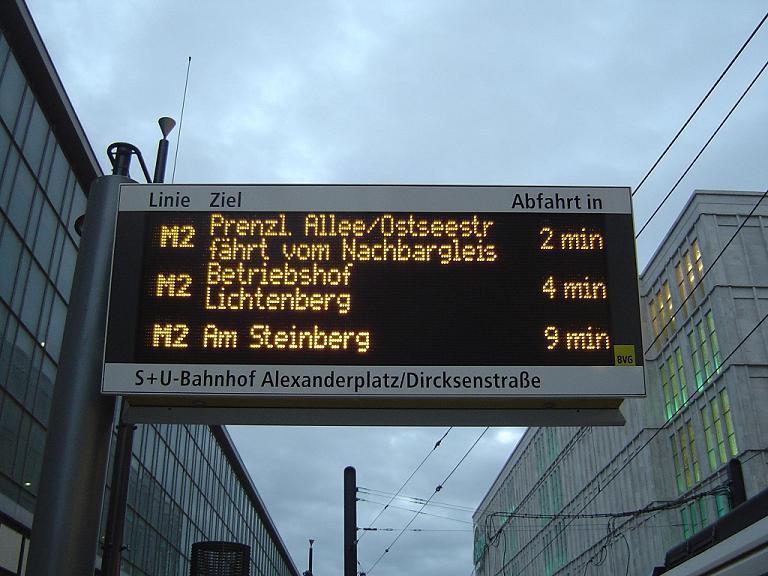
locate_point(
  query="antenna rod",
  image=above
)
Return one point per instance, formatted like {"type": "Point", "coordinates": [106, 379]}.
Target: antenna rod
{"type": "Point", "coordinates": [181, 121]}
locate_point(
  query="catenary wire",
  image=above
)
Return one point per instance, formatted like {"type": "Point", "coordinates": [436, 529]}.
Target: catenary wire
{"type": "Point", "coordinates": [744, 339]}
{"type": "Point", "coordinates": [647, 442]}
{"type": "Point", "coordinates": [435, 447]}
{"type": "Point", "coordinates": [415, 499]}
{"type": "Point", "coordinates": [419, 529]}
{"type": "Point", "coordinates": [437, 489]}
{"type": "Point", "coordinates": [696, 110]}
{"type": "Point", "coordinates": [412, 510]}
{"type": "Point", "coordinates": [701, 151]}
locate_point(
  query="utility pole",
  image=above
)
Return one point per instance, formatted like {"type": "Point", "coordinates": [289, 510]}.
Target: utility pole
{"type": "Point", "coordinates": [65, 530]}
{"type": "Point", "coordinates": [350, 521]}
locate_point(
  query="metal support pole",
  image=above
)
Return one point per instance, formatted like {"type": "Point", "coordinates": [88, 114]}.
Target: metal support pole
{"type": "Point", "coordinates": [308, 572]}
{"type": "Point", "coordinates": [118, 499]}
{"type": "Point", "coordinates": [166, 125]}
{"type": "Point", "coordinates": [161, 161]}
{"type": "Point", "coordinates": [65, 530]}
{"type": "Point", "coordinates": [113, 536]}
{"type": "Point", "coordinates": [350, 521]}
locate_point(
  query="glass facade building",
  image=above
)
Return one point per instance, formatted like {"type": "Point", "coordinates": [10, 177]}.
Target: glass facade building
{"type": "Point", "coordinates": [187, 483]}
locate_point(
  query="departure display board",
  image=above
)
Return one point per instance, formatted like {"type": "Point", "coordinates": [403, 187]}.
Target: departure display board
{"type": "Point", "coordinates": [394, 292]}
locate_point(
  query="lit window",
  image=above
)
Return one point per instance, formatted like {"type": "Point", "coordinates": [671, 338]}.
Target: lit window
{"type": "Point", "coordinates": [694, 517]}
{"type": "Point", "coordinates": [718, 426]}
{"type": "Point", "coordinates": [673, 382]}
{"type": "Point", "coordinates": [690, 275]}
{"type": "Point", "coordinates": [685, 457]}
{"type": "Point", "coordinates": [697, 258]}
{"type": "Point", "coordinates": [669, 408]}
{"type": "Point", "coordinates": [668, 303]}
{"type": "Point", "coordinates": [681, 374]}
{"type": "Point", "coordinates": [654, 323]}
{"type": "Point", "coordinates": [709, 438]}
{"type": "Point", "coordinates": [694, 453]}
{"type": "Point", "coordinates": [713, 341]}
{"type": "Point", "coordinates": [732, 446]}
{"type": "Point", "coordinates": [681, 290]}
{"type": "Point", "coordinates": [704, 350]}
{"type": "Point", "coordinates": [676, 462]}
{"type": "Point", "coordinates": [696, 358]}
{"type": "Point", "coordinates": [722, 505]}
{"type": "Point", "coordinates": [662, 313]}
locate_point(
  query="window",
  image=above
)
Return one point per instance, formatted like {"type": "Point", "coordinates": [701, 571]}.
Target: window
{"type": "Point", "coordinates": [697, 259]}
{"type": "Point", "coordinates": [668, 303]}
{"type": "Point", "coordinates": [662, 314]}
{"type": "Point", "coordinates": [722, 505]}
{"type": "Point", "coordinates": [688, 457]}
{"type": "Point", "coordinates": [681, 289]}
{"type": "Point", "coordinates": [694, 517]}
{"type": "Point", "coordinates": [696, 358]}
{"type": "Point", "coordinates": [704, 350]}
{"type": "Point", "coordinates": [709, 438]}
{"type": "Point", "coordinates": [694, 453]}
{"type": "Point", "coordinates": [717, 423]}
{"type": "Point", "coordinates": [691, 277]}
{"type": "Point", "coordinates": [676, 462]}
{"type": "Point", "coordinates": [654, 319]}
{"type": "Point", "coordinates": [679, 401]}
{"type": "Point", "coordinates": [681, 374]}
{"type": "Point", "coordinates": [669, 407]}
{"type": "Point", "coordinates": [713, 341]}
{"type": "Point", "coordinates": [730, 432]}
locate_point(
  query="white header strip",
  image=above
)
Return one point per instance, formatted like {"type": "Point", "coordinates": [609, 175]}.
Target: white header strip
{"type": "Point", "coordinates": [372, 198]}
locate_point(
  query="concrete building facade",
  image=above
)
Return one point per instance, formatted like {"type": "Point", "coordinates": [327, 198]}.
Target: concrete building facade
{"type": "Point", "coordinates": [187, 483]}
{"type": "Point", "coordinates": [608, 500]}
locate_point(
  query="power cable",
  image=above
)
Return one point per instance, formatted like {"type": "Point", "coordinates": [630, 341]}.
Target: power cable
{"type": "Point", "coordinates": [647, 442]}
{"type": "Point", "coordinates": [435, 447]}
{"type": "Point", "coordinates": [437, 489]}
{"type": "Point", "coordinates": [656, 211]}
{"type": "Point", "coordinates": [695, 111]}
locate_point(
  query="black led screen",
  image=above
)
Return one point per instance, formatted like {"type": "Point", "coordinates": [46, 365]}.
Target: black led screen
{"type": "Point", "coordinates": [373, 288]}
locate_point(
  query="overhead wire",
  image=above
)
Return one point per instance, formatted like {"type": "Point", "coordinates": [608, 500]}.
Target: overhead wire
{"type": "Point", "coordinates": [437, 489]}
{"type": "Point", "coordinates": [653, 167]}
{"type": "Point", "coordinates": [419, 529]}
{"type": "Point", "coordinates": [706, 96]}
{"type": "Point", "coordinates": [701, 151]}
{"type": "Point", "coordinates": [661, 331]}
{"type": "Point", "coordinates": [435, 447]}
{"type": "Point", "coordinates": [412, 510]}
{"type": "Point", "coordinates": [415, 499]}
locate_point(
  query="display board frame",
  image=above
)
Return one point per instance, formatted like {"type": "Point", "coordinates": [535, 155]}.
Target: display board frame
{"type": "Point", "coordinates": [447, 390]}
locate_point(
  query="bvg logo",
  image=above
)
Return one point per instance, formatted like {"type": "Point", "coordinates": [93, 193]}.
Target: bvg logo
{"type": "Point", "coordinates": [624, 355]}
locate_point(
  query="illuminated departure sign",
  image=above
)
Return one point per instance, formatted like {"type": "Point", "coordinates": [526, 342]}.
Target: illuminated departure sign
{"type": "Point", "coordinates": [412, 297]}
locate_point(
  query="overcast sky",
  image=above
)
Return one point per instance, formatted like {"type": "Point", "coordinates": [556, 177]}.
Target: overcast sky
{"type": "Point", "coordinates": [438, 92]}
